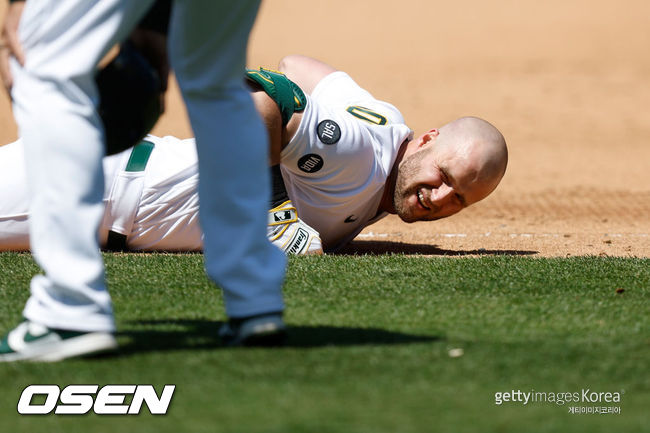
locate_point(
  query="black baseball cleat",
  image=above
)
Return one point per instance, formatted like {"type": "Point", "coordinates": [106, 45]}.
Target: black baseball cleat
{"type": "Point", "coordinates": [265, 330]}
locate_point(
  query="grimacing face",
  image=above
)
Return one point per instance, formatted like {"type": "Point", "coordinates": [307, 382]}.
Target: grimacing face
{"type": "Point", "coordinates": [438, 181]}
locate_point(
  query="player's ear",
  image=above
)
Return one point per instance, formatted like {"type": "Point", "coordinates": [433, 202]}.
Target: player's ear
{"type": "Point", "coordinates": [428, 137]}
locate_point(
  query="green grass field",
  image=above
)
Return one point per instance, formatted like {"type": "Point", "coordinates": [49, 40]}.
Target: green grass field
{"type": "Point", "coordinates": [369, 349]}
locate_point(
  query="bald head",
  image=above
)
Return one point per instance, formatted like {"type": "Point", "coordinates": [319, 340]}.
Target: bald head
{"type": "Point", "coordinates": [448, 169]}
{"type": "Point", "coordinates": [479, 144]}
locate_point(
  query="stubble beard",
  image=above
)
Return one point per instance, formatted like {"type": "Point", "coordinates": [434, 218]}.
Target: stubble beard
{"type": "Point", "coordinates": [407, 170]}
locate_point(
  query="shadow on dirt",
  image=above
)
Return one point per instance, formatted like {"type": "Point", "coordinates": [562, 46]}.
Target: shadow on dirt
{"type": "Point", "coordinates": [388, 247]}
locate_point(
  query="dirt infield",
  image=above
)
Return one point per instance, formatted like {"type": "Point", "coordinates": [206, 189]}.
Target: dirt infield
{"type": "Point", "coordinates": [565, 81]}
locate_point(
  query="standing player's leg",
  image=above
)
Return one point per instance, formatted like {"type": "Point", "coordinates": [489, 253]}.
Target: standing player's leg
{"type": "Point", "coordinates": [208, 42]}
{"type": "Point", "coordinates": [54, 98]}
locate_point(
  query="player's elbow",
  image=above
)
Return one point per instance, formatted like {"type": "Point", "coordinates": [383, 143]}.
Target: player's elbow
{"type": "Point", "coordinates": [289, 62]}
{"type": "Point", "coordinates": [305, 71]}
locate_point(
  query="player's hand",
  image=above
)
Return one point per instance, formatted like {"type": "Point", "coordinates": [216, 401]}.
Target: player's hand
{"type": "Point", "coordinates": [9, 42]}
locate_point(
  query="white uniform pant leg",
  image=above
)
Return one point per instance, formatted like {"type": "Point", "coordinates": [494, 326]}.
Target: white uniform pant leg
{"type": "Point", "coordinates": [208, 42]}
{"type": "Point", "coordinates": [54, 104]}
{"type": "Point", "coordinates": [14, 200]}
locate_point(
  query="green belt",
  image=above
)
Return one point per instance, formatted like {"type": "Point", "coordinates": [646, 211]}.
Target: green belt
{"type": "Point", "coordinates": [139, 156]}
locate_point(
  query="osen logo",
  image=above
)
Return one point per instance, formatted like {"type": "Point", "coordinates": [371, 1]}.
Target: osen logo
{"type": "Point", "coordinates": [329, 132]}
{"type": "Point", "coordinates": [81, 399]}
{"type": "Point", "coordinates": [310, 163]}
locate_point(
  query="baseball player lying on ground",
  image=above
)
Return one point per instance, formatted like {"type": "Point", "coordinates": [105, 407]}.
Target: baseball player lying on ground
{"type": "Point", "coordinates": [345, 158]}
{"type": "Point", "coordinates": [151, 202]}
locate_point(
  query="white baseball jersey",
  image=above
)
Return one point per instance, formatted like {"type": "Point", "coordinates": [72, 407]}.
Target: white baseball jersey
{"type": "Point", "coordinates": [335, 167]}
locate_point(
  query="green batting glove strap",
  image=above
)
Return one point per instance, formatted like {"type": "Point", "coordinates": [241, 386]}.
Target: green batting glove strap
{"type": "Point", "coordinates": [289, 97]}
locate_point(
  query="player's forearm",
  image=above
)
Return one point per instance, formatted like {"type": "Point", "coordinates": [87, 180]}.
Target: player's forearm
{"type": "Point", "coordinates": [272, 120]}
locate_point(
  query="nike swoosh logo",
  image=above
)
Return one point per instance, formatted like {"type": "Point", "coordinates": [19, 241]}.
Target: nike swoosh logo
{"type": "Point", "coordinates": [350, 219]}
{"type": "Point", "coordinates": [28, 338]}
{"type": "Point", "coordinates": [19, 338]}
